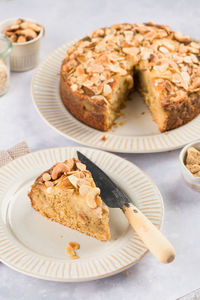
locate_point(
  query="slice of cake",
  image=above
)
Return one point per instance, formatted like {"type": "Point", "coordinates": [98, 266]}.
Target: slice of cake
{"type": "Point", "coordinates": [67, 194]}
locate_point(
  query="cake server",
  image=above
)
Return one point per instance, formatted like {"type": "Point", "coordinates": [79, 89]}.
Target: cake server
{"type": "Point", "coordinates": [114, 197]}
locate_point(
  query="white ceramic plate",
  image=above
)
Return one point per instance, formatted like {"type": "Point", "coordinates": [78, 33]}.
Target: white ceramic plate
{"type": "Point", "coordinates": [139, 134]}
{"type": "Point", "coordinates": [33, 245]}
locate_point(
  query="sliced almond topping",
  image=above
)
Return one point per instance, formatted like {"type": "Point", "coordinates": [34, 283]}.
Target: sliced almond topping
{"type": "Point", "coordinates": [195, 83]}
{"type": "Point", "coordinates": [176, 78]}
{"type": "Point", "coordinates": [163, 49]}
{"type": "Point", "coordinates": [74, 87]}
{"type": "Point", "coordinates": [81, 166]}
{"type": "Point", "coordinates": [88, 91]}
{"type": "Point", "coordinates": [84, 189]}
{"type": "Point", "coordinates": [73, 179]}
{"type": "Point", "coordinates": [182, 38]}
{"type": "Point", "coordinates": [162, 67]}
{"type": "Point", "coordinates": [95, 68]}
{"type": "Point", "coordinates": [59, 169]}
{"type": "Point", "coordinates": [48, 183]}
{"type": "Point", "coordinates": [91, 202]}
{"type": "Point", "coordinates": [46, 177]}
{"type": "Point", "coordinates": [131, 50]}
{"type": "Point", "coordinates": [117, 69]}
{"type": "Point", "coordinates": [70, 163]}
{"type": "Point", "coordinates": [107, 89]}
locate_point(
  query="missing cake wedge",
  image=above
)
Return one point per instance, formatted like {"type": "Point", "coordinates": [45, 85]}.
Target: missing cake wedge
{"type": "Point", "coordinates": [67, 194]}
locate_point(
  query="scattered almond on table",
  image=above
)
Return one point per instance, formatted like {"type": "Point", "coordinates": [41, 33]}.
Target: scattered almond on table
{"type": "Point", "coordinates": [192, 161]}
{"type": "Point", "coordinates": [22, 31]}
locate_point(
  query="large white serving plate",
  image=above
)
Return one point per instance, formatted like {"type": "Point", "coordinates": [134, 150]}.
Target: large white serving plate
{"type": "Point", "coordinates": [34, 245]}
{"type": "Point", "coordinates": [138, 134]}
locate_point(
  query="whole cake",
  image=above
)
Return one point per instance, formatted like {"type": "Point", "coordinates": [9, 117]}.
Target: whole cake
{"type": "Point", "coordinates": [100, 70]}
{"type": "Point", "coordinates": [68, 195]}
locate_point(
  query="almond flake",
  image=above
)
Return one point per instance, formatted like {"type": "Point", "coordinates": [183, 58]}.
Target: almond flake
{"type": "Point", "coordinates": [131, 51]}
{"type": "Point", "coordinates": [107, 89]}
{"type": "Point", "coordinates": [117, 69]}
{"type": "Point", "coordinates": [176, 78]}
{"type": "Point", "coordinates": [182, 38]}
{"type": "Point", "coordinates": [91, 202]}
{"type": "Point", "coordinates": [74, 87]}
{"type": "Point", "coordinates": [84, 189]}
{"type": "Point", "coordinates": [46, 177]}
{"type": "Point", "coordinates": [81, 166]}
{"type": "Point", "coordinates": [73, 179]}
{"type": "Point", "coordinates": [163, 50]}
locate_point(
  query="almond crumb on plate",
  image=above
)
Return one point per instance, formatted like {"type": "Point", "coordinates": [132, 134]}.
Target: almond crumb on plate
{"type": "Point", "coordinates": [121, 123]}
{"type": "Point", "coordinates": [71, 253]}
{"type": "Point", "coordinates": [115, 238]}
{"type": "Point", "coordinates": [104, 138]}
{"type": "Point", "coordinates": [166, 132]}
{"type": "Point", "coordinates": [74, 245]}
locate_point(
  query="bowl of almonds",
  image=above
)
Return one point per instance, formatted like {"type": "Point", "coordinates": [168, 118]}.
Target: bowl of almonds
{"type": "Point", "coordinates": [190, 164]}
{"type": "Point", "coordinates": [26, 36]}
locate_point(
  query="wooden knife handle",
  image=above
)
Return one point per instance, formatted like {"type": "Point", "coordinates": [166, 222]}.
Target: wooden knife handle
{"type": "Point", "coordinates": [153, 239]}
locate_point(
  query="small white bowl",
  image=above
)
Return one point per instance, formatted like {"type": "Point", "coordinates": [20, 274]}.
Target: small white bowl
{"type": "Point", "coordinates": [24, 56]}
{"type": "Point", "coordinates": [193, 182]}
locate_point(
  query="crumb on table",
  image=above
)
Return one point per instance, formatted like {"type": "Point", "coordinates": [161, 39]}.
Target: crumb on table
{"type": "Point", "coordinates": [104, 138]}
{"type": "Point", "coordinates": [127, 273]}
{"type": "Point", "coordinates": [121, 123]}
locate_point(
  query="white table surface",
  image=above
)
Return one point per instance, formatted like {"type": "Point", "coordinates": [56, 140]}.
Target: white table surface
{"type": "Point", "coordinates": [19, 121]}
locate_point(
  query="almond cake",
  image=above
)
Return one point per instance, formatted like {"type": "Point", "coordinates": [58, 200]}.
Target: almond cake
{"type": "Point", "coordinates": [67, 194]}
{"type": "Point", "coordinates": [99, 71]}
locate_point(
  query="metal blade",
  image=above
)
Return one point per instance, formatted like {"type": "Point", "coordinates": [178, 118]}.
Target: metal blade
{"type": "Point", "coordinates": [110, 193]}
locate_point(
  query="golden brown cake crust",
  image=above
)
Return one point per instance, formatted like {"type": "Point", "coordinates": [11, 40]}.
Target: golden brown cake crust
{"type": "Point", "coordinates": [171, 59]}
{"type": "Point", "coordinates": [78, 107]}
{"type": "Point", "coordinates": [67, 194]}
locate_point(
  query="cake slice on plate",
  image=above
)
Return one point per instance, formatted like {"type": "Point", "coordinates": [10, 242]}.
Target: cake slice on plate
{"type": "Point", "coordinates": [67, 194]}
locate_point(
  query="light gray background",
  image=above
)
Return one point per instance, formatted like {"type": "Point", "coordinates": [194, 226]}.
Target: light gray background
{"type": "Point", "coordinates": [63, 21]}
